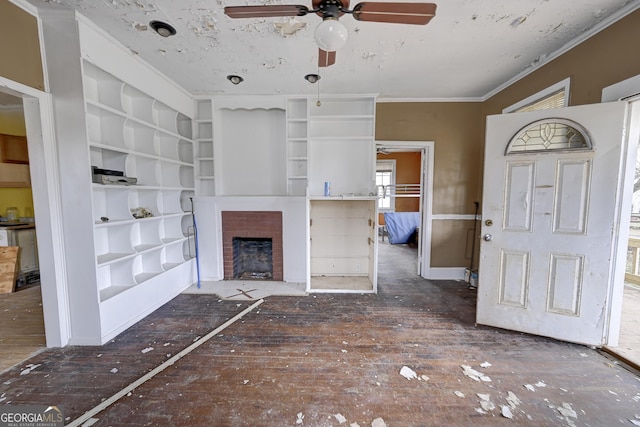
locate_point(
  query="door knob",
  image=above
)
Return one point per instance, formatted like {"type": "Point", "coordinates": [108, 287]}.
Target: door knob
{"type": "Point", "coordinates": [487, 237]}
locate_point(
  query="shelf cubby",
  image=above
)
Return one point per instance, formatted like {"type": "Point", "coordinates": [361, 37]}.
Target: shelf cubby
{"type": "Point", "coordinates": [297, 168]}
{"type": "Point", "coordinates": [172, 228]}
{"type": "Point", "coordinates": [145, 169]}
{"type": "Point", "coordinates": [204, 130]}
{"type": "Point", "coordinates": [205, 110]}
{"type": "Point", "coordinates": [297, 129]}
{"type": "Point", "coordinates": [165, 117]}
{"type": "Point", "coordinates": [140, 138]}
{"type": "Point", "coordinates": [297, 109]}
{"type": "Point", "coordinates": [101, 87]}
{"type": "Point", "coordinates": [170, 202]}
{"type": "Point", "coordinates": [186, 176]}
{"type": "Point", "coordinates": [184, 126]}
{"type": "Point", "coordinates": [105, 158]}
{"type": "Point", "coordinates": [141, 197]}
{"type": "Point", "coordinates": [113, 243]}
{"type": "Point", "coordinates": [147, 265]}
{"type": "Point", "coordinates": [172, 256]}
{"type": "Point", "coordinates": [105, 128]}
{"type": "Point", "coordinates": [145, 234]}
{"type": "Point", "coordinates": [185, 200]}
{"type": "Point", "coordinates": [205, 166]}
{"type": "Point", "coordinates": [137, 104]}
{"type": "Point", "coordinates": [115, 278]}
{"type": "Point", "coordinates": [205, 150]}
{"type": "Point", "coordinates": [110, 202]}
{"type": "Point", "coordinates": [185, 151]}
{"type": "Point", "coordinates": [206, 186]}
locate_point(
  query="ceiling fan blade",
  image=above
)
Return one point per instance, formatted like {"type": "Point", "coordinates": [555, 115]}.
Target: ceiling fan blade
{"type": "Point", "coordinates": [265, 11]}
{"type": "Point", "coordinates": [326, 58]}
{"type": "Point", "coordinates": [398, 13]}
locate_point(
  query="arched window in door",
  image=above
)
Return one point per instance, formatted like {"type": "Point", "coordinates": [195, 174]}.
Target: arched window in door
{"type": "Point", "coordinates": [550, 135]}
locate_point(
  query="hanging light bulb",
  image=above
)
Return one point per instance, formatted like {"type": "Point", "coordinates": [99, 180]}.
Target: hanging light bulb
{"type": "Point", "coordinates": [331, 35]}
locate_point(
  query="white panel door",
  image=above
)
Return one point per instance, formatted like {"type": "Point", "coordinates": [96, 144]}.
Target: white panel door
{"type": "Point", "coordinates": [553, 224]}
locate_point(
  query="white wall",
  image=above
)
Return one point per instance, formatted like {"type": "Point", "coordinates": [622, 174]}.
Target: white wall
{"type": "Point", "coordinates": [252, 147]}
{"type": "Point", "coordinates": [294, 232]}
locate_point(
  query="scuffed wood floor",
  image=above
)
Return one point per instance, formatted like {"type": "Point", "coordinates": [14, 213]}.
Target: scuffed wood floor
{"type": "Point", "coordinates": [21, 326]}
{"type": "Point", "coordinates": [328, 354]}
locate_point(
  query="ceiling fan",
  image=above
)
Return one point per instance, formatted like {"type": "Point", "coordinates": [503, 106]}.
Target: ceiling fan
{"type": "Point", "coordinates": [330, 34]}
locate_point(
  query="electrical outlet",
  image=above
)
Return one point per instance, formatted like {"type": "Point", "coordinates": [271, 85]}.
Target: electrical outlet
{"type": "Point", "coordinates": [358, 268]}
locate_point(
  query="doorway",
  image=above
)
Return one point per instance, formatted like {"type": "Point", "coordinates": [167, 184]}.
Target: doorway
{"type": "Point", "coordinates": [404, 179]}
{"type": "Point", "coordinates": [22, 332]}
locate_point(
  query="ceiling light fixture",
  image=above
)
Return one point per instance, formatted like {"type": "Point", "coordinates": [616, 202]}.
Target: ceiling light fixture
{"type": "Point", "coordinates": [235, 79]}
{"type": "Point", "coordinates": [162, 28]}
{"type": "Point", "coordinates": [331, 34]}
{"type": "Point", "coordinates": [312, 78]}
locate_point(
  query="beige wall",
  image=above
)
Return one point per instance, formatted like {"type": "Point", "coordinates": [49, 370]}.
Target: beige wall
{"type": "Point", "coordinates": [455, 127]}
{"type": "Point", "coordinates": [20, 46]}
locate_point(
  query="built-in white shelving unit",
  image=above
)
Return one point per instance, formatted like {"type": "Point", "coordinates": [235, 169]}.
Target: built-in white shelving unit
{"type": "Point", "coordinates": [131, 132]}
{"type": "Point", "coordinates": [297, 146]}
{"type": "Point", "coordinates": [341, 151]}
{"type": "Point", "coordinates": [203, 138]}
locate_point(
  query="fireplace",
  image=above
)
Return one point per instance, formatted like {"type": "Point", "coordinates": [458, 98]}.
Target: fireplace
{"type": "Point", "coordinates": [252, 245]}
{"type": "Point", "coordinates": [253, 258]}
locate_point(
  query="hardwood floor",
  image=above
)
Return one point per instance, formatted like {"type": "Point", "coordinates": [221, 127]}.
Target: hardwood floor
{"type": "Point", "coordinates": [21, 326]}
{"type": "Point", "coordinates": [311, 360]}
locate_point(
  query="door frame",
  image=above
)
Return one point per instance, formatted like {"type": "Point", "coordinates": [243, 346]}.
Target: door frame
{"type": "Point", "coordinates": [427, 150]}
{"type": "Point", "coordinates": [44, 170]}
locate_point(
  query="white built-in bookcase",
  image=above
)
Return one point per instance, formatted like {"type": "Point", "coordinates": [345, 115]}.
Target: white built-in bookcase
{"type": "Point", "coordinates": [203, 140]}
{"type": "Point", "coordinates": [130, 131]}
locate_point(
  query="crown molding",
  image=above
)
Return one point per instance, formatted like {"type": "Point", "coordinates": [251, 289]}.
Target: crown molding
{"type": "Point", "coordinates": [631, 7]}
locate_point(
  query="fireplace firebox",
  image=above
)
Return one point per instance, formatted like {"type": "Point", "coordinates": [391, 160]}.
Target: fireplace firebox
{"type": "Point", "coordinates": [252, 258]}
{"type": "Point", "coordinates": [252, 245]}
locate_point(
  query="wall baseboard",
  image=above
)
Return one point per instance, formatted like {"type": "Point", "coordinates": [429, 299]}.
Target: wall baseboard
{"type": "Point", "coordinates": [446, 273]}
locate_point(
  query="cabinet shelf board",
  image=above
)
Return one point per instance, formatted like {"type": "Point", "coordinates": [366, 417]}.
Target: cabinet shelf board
{"type": "Point", "coordinates": [341, 118]}
{"type": "Point", "coordinates": [143, 277]}
{"type": "Point", "coordinates": [112, 291]}
{"type": "Point", "coordinates": [112, 257]}
{"type": "Point", "coordinates": [170, 265]}
{"type": "Point", "coordinates": [341, 138]}
{"type": "Point", "coordinates": [147, 247]}
{"type": "Point", "coordinates": [173, 240]}
{"type": "Point", "coordinates": [113, 222]}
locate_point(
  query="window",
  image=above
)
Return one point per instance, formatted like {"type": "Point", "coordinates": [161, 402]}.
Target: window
{"type": "Point", "coordinates": [385, 182]}
{"type": "Point", "coordinates": [555, 96]}
{"type": "Point", "coordinates": [550, 135]}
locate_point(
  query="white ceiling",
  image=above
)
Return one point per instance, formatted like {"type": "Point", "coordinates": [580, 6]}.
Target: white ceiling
{"type": "Point", "coordinates": [469, 49]}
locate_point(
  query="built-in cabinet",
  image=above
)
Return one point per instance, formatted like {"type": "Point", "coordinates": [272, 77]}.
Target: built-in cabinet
{"type": "Point", "coordinates": [331, 160]}
{"type": "Point", "coordinates": [143, 230]}
{"type": "Point", "coordinates": [14, 162]}
{"type": "Point", "coordinates": [343, 244]}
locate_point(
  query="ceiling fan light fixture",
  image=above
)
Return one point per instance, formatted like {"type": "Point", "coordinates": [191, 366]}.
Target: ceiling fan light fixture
{"type": "Point", "coordinates": [236, 80]}
{"type": "Point", "coordinates": [162, 28]}
{"type": "Point", "coordinates": [312, 78]}
{"type": "Point", "coordinates": [331, 35]}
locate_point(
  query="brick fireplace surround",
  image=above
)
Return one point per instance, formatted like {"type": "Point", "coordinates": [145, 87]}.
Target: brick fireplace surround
{"type": "Point", "coordinates": [252, 224]}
